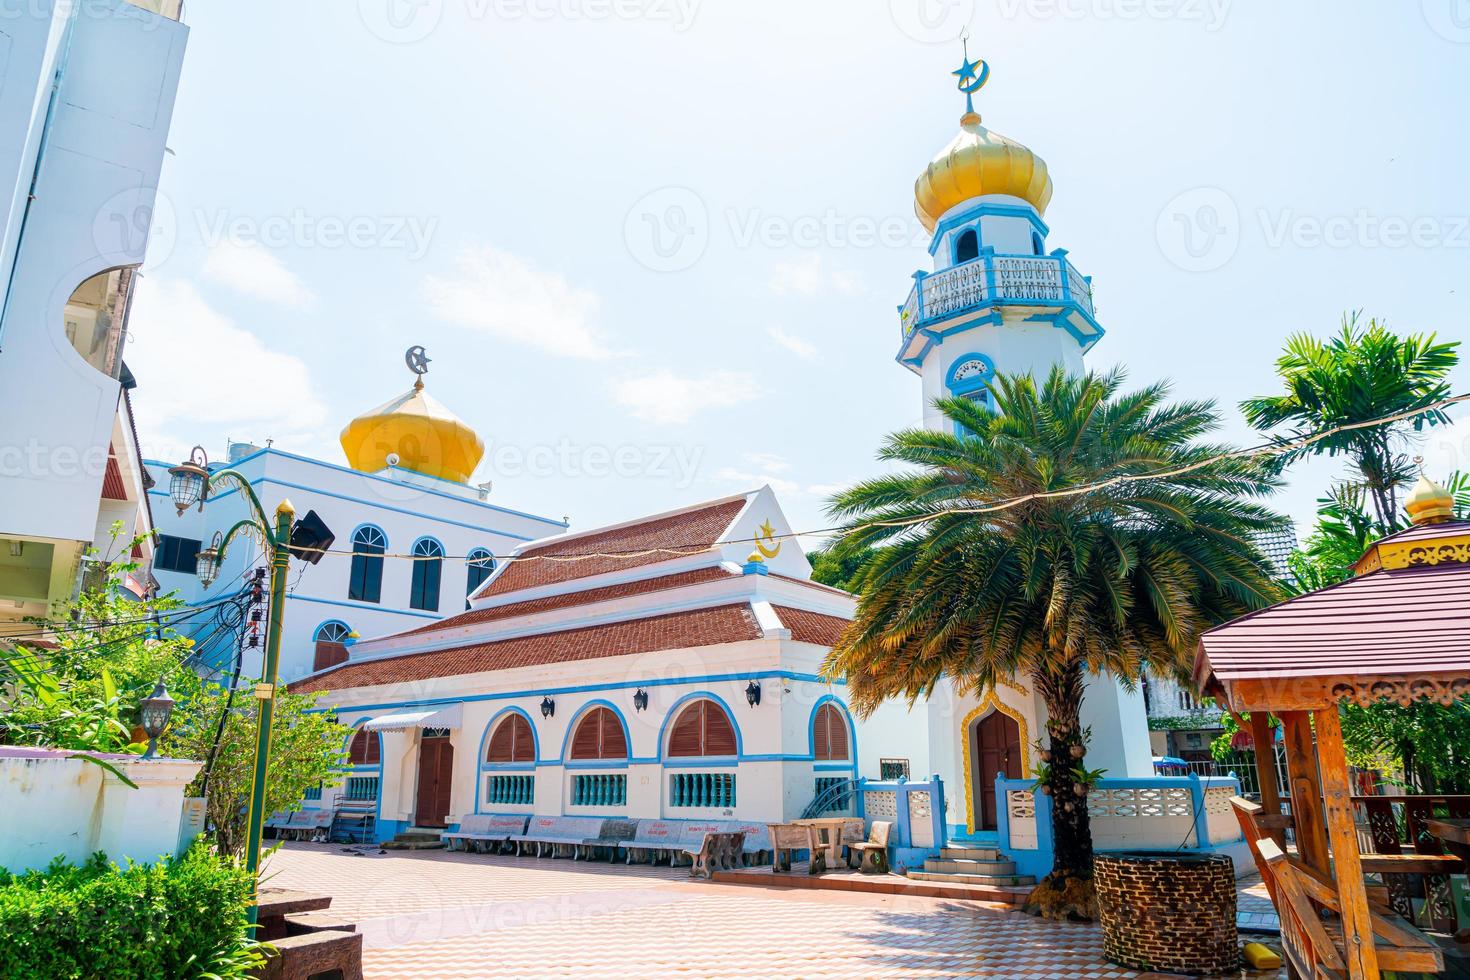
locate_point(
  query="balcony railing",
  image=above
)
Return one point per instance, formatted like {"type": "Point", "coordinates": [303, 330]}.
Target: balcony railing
{"type": "Point", "coordinates": [1021, 279]}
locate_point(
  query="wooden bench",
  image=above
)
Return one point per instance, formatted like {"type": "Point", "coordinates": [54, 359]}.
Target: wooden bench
{"type": "Point", "coordinates": [1310, 910]}
{"type": "Point", "coordinates": [310, 954]}
{"type": "Point", "coordinates": [478, 831]}
{"type": "Point", "coordinates": [614, 833]}
{"type": "Point", "coordinates": [787, 839]}
{"type": "Point", "coordinates": [720, 851]}
{"type": "Point", "coordinates": [557, 834]}
{"type": "Point", "coordinates": [873, 852]}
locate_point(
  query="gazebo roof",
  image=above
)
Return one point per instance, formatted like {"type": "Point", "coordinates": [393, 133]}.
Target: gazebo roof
{"type": "Point", "coordinates": [1399, 630]}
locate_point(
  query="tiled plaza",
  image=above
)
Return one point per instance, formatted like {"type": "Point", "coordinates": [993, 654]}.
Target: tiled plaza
{"type": "Point", "coordinates": [434, 914]}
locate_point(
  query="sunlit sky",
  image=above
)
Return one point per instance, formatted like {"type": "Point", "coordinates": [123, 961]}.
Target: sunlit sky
{"type": "Point", "coordinates": [654, 247]}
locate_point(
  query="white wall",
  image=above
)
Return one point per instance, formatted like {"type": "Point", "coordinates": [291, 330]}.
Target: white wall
{"type": "Point", "coordinates": [52, 803]}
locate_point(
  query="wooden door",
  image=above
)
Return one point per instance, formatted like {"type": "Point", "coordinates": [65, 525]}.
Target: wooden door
{"type": "Point", "coordinates": [997, 747]}
{"type": "Point", "coordinates": [436, 774]}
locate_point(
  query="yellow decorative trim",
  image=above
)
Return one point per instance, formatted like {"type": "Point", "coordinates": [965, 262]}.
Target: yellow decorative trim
{"type": "Point", "coordinates": [989, 702]}
{"type": "Point", "coordinates": [1452, 549]}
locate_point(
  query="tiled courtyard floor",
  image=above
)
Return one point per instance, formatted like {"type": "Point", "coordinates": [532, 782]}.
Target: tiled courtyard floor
{"type": "Point", "coordinates": [435, 914]}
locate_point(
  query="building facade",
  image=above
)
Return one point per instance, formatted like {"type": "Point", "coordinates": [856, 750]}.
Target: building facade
{"type": "Point", "coordinates": [1000, 298]}
{"type": "Point", "coordinates": [667, 667]}
{"type": "Point", "coordinates": [413, 538]}
{"type": "Point", "coordinates": [86, 97]}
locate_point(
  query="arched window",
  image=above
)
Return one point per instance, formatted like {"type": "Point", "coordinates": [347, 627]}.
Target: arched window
{"type": "Point", "coordinates": [366, 749]}
{"type": "Point", "coordinates": [331, 645]}
{"type": "Point", "coordinates": [599, 735]}
{"type": "Point", "coordinates": [1037, 245]}
{"type": "Point", "coordinates": [967, 246]}
{"type": "Point", "coordinates": [428, 566]}
{"type": "Point", "coordinates": [366, 581]}
{"type": "Point", "coordinates": [970, 378]}
{"type": "Point", "coordinates": [479, 566]}
{"type": "Point", "coordinates": [829, 735]}
{"type": "Point", "coordinates": [702, 729]}
{"type": "Point", "coordinates": [512, 741]}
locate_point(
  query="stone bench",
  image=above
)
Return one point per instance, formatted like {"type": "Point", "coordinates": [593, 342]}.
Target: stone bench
{"type": "Point", "coordinates": [614, 833]}
{"type": "Point", "coordinates": [479, 830]}
{"type": "Point", "coordinates": [652, 838]}
{"type": "Point", "coordinates": [309, 954]}
{"type": "Point", "coordinates": [557, 833]}
{"type": "Point", "coordinates": [691, 837]}
{"type": "Point", "coordinates": [720, 851]}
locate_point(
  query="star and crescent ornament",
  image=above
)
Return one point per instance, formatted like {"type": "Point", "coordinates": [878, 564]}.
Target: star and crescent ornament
{"type": "Point", "coordinates": [971, 76]}
{"type": "Point", "coordinates": [765, 540]}
{"type": "Point", "coordinates": [417, 360]}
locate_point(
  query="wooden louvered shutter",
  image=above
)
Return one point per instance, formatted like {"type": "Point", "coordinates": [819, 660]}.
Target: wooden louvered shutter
{"type": "Point", "coordinates": [586, 743]}
{"type": "Point", "coordinates": [614, 743]}
{"type": "Point", "coordinates": [328, 654]}
{"type": "Point", "coordinates": [511, 741]}
{"type": "Point", "coordinates": [364, 751]}
{"type": "Point", "coordinates": [831, 734]}
{"type": "Point", "coordinates": [719, 733]}
{"type": "Point", "coordinates": [686, 739]}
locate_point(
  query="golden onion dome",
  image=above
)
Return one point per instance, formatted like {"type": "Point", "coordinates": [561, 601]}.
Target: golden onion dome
{"type": "Point", "coordinates": [1429, 503]}
{"type": "Point", "coordinates": [977, 162]}
{"type": "Point", "coordinates": [414, 432]}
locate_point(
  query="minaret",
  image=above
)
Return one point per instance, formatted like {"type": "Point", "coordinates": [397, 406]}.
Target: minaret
{"type": "Point", "coordinates": [997, 299]}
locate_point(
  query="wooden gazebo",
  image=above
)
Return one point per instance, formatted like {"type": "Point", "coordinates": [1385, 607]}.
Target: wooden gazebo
{"type": "Point", "coordinates": [1398, 630]}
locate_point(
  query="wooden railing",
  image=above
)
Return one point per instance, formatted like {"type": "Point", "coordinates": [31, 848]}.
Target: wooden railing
{"type": "Point", "coordinates": [1395, 825]}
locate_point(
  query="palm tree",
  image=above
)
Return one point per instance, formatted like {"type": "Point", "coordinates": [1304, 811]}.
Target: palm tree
{"type": "Point", "coordinates": [1363, 373]}
{"type": "Point", "coordinates": [1110, 581]}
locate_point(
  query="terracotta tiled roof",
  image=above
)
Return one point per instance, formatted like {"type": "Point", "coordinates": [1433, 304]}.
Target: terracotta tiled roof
{"type": "Point", "coordinates": [1402, 621]}
{"type": "Point", "coordinates": [811, 627]}
{"type": "Point", "coordinates": [672, 631]}
{"type": "Point", "coordinates": [568, 599]}
{"type": "Point", "coordinates": [691, 531]}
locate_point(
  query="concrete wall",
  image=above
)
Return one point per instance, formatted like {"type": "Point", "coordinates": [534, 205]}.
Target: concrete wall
{"type": "Point", "coordinates": [55, 804]}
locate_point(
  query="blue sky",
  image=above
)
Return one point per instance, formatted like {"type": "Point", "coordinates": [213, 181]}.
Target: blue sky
{"type": "Point", "coordinates": [654, 246]}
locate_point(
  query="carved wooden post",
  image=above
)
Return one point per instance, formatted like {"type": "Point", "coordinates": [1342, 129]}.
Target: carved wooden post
{"type": "Point", "coordinates": [1266, 770]}
{"type": "Point", "coordinates": [1306, 791]}
{"type": "Point", "coordinates": [1357, 925]}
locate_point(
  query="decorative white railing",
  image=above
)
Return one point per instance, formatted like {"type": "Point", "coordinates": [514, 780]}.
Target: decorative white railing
{"type": "Point", "coordinates": [1046, 279]}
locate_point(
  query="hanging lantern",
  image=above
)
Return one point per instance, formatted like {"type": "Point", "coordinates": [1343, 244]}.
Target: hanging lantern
{"type": "Point", "coordinates": [157, 709]}
{"type": "Point", "coordinates": [640, 700]}
{"type": "Point", "coordinates": [548, 707]}
{"type": "Point", "coordinates": [207, 562]}
{"type": "Point", "coordinates": [753, 693]}
{"type": "Point", "coordinates": [188, 482]}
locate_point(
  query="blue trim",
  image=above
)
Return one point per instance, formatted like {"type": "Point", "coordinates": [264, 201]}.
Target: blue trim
{"type": "Point", "coordinates": [832, 765]}
{"type": "Point", "coordinates": [694, 696]}
{"type": "Point", "coordinates": [316, 634]}
{"type": "Point", "coordinates": [587, 688]}
{"type": "Point", "coordinates": [972, 384]}
{"type": "Point", "coordinates": [369, 527]}
{"type": "Point", "coordinates": [428, 539]}
{"type": "Point", "coordinates": [954, 249]}
{"type": "Point", "coordinates": [964, 217]}
{"type": "Point", "coordinates": [382, 479]}
{"type": "Point", "coordinates": [482, 767]}
{"type": "Point", "coordinates": [373, 606]}
{"type": "Point", "coordinates": [566, 741]}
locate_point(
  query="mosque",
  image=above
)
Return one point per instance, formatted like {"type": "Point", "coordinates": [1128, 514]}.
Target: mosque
{"type": "Point", "coordinates": [666, 666]}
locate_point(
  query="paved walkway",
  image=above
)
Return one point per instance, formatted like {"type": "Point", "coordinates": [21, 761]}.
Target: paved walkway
{"type": "Point", "coordinates": [438, 914]}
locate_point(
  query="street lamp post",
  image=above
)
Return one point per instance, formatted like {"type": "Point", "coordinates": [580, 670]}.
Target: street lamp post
{"type": "Point", "coordinates": [189, 484]}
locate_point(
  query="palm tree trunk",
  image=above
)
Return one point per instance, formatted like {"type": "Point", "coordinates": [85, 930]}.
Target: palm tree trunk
{"type": "Point", "coordinates": [1066, 893]}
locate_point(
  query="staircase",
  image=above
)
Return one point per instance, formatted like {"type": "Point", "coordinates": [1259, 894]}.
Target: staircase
{"type": "Point", "coordinates": [976, 867]}
{"type": "Point", "coordinates": [415, 839]}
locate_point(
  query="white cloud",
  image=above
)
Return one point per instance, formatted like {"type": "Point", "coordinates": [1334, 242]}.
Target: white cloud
{"type": "Point", "coordinates": [202, 378]}
{"type": "Point", "coordinates": [802, 348]}
{"type": "Point", "coordinates": [507, 297]}
{"type": "Point", "coordinates": [251, 269]}
{"type": "Point", "coordinates": [812, 275]}
{"type": "Point", "coordinates": [746, 480]}
{"type": "Point", "coordinates": [768, 462]}
{"type": "Point", "coordinates": [666, 397]}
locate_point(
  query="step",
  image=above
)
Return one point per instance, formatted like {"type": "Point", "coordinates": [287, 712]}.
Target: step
{"type": "Point", "coordinates": [963, 866]}
{"type": "Point", "coordinates": [970, 854]}
{"type": "Point", "coordinates": [411, 845]}
{"type": "Point", "coordinates": [972, 879]}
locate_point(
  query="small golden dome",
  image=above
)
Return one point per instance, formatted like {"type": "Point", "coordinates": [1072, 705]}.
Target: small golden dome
{"type": "Point", "coordinates": [425, 437]}
{"type": "Point", "coordinates": [1429, 503]}
{"type": "Point", "coordinates": [977, 162]}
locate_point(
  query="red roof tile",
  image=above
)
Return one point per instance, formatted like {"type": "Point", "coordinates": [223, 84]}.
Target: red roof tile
{"type": "Point", "coordinates": [672, 631]}
{"type": "Point", "coordinates": [811, 627]}
{"type": "Point", "coordinates": [582, 598]}
{"type": "Point", "coordinates": [691, 531]}
{"type": "Point", "coordinates": [1399, 621]}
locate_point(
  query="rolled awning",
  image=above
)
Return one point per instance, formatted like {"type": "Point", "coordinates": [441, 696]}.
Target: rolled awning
{"type": "Point", "coordinates": [447, 716]}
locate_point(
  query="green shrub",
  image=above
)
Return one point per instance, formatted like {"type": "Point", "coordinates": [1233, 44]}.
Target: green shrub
{"type": "Point", "coordinates": [181, 917]}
